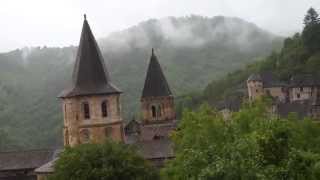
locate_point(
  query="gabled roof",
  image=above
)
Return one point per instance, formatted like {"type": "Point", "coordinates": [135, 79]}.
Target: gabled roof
{"type": "Point", "coordinates": [19, 160]}
{"type": "Point", "coordinates": [303, 80]}
{"type": "Point", "coordinates": [155, 84]}
{"type": "Point", "coordinates": [90, 75]}
{"type": "Point", "coordinates": [268, 79]}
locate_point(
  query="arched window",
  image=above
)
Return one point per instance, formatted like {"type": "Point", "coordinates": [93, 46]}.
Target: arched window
{"type": "Point", "coordinates": [86, 110]}
{"type": "Point", "coordinates": [85, 135]}
{"type": "Point", "coordinates": [104, 108]}
{"type": "Point", "coordinates": [154, 111]}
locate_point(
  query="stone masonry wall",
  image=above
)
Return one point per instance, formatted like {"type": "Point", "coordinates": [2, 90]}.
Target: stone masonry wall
{"type": "Point", "coordinates": [167, 108]}
{"type": "Point", "coordinates": [99, 127]}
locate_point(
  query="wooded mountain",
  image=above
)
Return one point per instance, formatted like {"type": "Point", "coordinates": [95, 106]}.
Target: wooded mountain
{"type": "Point", "coordinates": [300, 55]}
{"type": "Point", "coordinates": [192, 50]}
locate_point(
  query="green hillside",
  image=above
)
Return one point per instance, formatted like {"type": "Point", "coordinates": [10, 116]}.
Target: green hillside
{"type": "Point", "coordinates": [300, 55]}
{"type": "Point", "coordinates": [192, 51]}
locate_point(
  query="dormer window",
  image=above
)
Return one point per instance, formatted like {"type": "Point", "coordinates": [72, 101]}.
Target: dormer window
{"type": "Point", "coordinates": [86, 110]}
{"type": "Point", "coordinates": [104, 108]}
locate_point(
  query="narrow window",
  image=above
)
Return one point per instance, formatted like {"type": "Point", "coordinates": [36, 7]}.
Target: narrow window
{"type": "Point", "coordinates": [154, 111]}
{"type": "Point", "coordinates": [86, 110]}
{"type": "Point", "coordinates": [159, 111]}
{"type": "Point", "coordinates": [118, 105]}
{"type": "Point", "coordinates": [298, 95]}
{"type": "Point", "coordinates": [301, 89]}
{"type": "Point", "coordinates": [104, 109]}
{"type": "Point", "coordinates": [85, 135]}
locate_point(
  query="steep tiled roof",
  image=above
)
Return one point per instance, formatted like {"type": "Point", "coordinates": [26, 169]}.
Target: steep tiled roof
{"type": "Point", "coordinates": [90, 75]}
{"type": "Point", "coordinates": [155, 84]}
{"type": "Point", "coordinates": [24, 159]}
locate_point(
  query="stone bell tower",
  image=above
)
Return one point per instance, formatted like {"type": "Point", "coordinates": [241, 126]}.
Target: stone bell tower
{"type": "Point", "coordinates": [157, 102]}
{"type": "Point", "coordinates": [91, 105]}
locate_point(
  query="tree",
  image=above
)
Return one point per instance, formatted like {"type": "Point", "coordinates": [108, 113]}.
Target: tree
{"type": "Point", "coordinates": [311, 18]}
{"type": "Point", "coordinates": [253, 144]}
{"type": "Point", "coordinates": [311, 31]}
{"type": "Point", "coordinates": [110, 161]}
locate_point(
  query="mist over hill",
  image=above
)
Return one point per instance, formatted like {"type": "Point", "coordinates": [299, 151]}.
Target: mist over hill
{"type": "Point", "coordinates": [192, 50]}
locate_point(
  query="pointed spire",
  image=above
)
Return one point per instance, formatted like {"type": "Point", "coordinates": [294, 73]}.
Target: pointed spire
{"type": "Point", "coordinates": [90, 75]}
{"type": "Point", "coordinates": [155, 84]}
{"type": "Point", "coordinates": [85, 17]}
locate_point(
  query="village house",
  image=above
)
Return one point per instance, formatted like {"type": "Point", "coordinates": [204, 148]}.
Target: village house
{"type": "Point", "coordinates": [300, 95]}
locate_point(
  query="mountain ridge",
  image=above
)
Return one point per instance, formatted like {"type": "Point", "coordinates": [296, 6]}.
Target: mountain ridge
{"type": "Point", "coordinates": [191, 50]}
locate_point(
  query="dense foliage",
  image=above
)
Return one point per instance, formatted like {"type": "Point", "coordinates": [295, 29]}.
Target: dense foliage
{"type": "Point", "coordinates": [110, 161]}
{"type": "Point", "coordinates": [192, 51]}
{"type": "Point", "coordinates": [251, 144]}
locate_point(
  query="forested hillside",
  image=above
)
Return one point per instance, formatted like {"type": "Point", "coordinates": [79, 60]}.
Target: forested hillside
{"type": "Point", "coordinates": [300, 55]}
{"type": "Point", "coordinates": [192, 51]}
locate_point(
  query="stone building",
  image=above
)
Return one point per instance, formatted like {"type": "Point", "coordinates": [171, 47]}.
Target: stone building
{"type": "Point", "coordinates": [91, 105]}
{"type": "Point", "coordinates": [151, 133]}
{"type": "Point", "coordinates": [92, 113]}
{"type": "Point", "coordinates": [266, 84]}
{"type": "Point", "coordinates": [21, 165]}
{"type": "Point", "coordinates": [300, 95]}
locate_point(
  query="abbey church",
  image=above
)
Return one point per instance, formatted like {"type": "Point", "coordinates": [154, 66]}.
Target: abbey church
{"type": "Point", "coordinates": [92, 114]}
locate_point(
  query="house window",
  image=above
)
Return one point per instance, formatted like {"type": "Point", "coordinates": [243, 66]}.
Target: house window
{"type": "Point", "coordinates": [298, 95]}
{"type": "Point", "coordinates": [154, 111]}
{"type": "Point", "coordinates": [85, 135]}
{"type": "Point", "coordinates": [257, 90]}
{"type": "Point", "coordinates": [104, 109]}
{"type": "Point", "coordinates": [301, 89]}
{"type": "Point", "coordinates": [86, 110]}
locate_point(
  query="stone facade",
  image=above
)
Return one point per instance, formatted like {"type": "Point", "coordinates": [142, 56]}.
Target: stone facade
{"type": "Point", "coordinates": [255, 89]}
{"type": "Point", "coordinates": [303, 93]}
{"type": "Point", "coordinates": [279, 93]}
{"type": "Point", "coordinates": [98, 127]}
{"type": "Point", "coordinates": [155, 109]}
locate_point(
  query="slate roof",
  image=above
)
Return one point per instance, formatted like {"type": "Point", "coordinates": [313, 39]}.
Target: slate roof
{"type": "Point", "coordinates": [268, 79]}
{"type": "Point", "coordinates": [155, 84]}
{"type": "Point", "coordinates": [18, 160]}
{"type": "Point", "coordinates": [303, 80]}
{"type": "Point", "coordinates": [254, 77]}
{"type": "Point", "coordinates": [156, 149]}
{"type": "Point", "coordinates": [233, 104]}
{"type": "Point", "coordinates": [46, 168]}
{"type": "Point", "coordinates": [300, 108]}
{"type": "Point", "coordinates": [90, 75]}
{"type": "Point", "coordinates": [152, 131]}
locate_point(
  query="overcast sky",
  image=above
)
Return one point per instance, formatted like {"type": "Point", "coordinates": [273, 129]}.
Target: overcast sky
{"type": "Point", "coordinates": [58, 22]}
